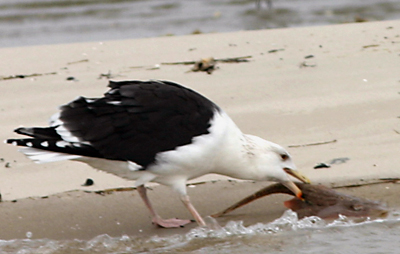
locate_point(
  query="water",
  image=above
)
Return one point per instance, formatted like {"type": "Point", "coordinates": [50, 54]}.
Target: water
{"type": "Point", "coordinates": [284, 235]}
{"type": "Point", "coordinates": [36, 22]}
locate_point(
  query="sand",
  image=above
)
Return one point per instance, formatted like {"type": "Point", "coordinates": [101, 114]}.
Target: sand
{"type": "Point", "coordinates": [302, 86]}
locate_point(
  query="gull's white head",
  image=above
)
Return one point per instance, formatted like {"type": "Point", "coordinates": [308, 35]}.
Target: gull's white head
{"type": "Point", "coordinates": [271, 162]}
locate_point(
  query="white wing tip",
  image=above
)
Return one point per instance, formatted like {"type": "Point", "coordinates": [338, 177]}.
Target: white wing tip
{"type": "Point", "coordinates": [42, 156]}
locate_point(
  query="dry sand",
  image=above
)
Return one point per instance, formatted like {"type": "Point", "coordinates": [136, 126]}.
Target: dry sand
{"type": "Point", "coordinates": [348, 92]}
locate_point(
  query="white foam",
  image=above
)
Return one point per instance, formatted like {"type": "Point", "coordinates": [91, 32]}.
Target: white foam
{"type": "Point", "coordinates": [275, 237]}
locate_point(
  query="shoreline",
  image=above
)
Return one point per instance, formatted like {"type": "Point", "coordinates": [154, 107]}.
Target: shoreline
{"type": "Point", "coordinates": [82, 215]}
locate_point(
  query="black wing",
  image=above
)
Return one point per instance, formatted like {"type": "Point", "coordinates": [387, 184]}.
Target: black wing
{"type": "Point", "coordinates": [135, 120]}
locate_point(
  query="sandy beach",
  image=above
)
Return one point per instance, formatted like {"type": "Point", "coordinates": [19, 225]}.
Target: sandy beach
{"type": "Point", "coordinates": [324, 93]}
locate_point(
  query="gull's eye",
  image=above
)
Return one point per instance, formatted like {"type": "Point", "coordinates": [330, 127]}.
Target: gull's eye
{"type": "Point", "coordinates": [284, 157]}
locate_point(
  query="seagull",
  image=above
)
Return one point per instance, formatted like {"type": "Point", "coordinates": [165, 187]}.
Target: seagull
{"type": "Point", "coordinates": [157, 131]}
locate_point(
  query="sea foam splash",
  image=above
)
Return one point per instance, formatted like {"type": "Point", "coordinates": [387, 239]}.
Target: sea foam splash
{"type": "Point", "coordinates": [198, 240]}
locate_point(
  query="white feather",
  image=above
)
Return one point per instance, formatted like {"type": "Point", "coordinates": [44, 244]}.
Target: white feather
{"type": "Point", "coordinates": [42, 156]}
{"type": "Point", "coordinates": [45, 144]}
{"type": "Point", "coordinates": [55, 120]}
{"type": "Point", "coordinates": [114, 102]}
{"type": "Point", "coordinates": [62, 131]}
{"type": "Point", "coordinates": [133, 166]}
{"type": "Point", "coordinates": [66, 134]}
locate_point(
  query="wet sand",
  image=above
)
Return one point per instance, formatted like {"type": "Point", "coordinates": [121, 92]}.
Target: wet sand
{"type": "Point", "coordinates": [81, 215]}
{"type": "Point", "coordinates": [348, 91]}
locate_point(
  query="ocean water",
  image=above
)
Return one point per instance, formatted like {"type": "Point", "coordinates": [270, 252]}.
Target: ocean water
{"type": "Point", "coordinates": [284, 235]}
{"type": "Point", "coordinates": [37, 22]}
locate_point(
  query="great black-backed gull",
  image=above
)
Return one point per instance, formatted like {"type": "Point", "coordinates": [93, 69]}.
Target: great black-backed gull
{"type": "Point", "coordinates": [157, 131]}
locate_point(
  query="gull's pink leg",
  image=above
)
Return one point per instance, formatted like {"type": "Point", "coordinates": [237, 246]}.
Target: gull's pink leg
{"type": "Point", "coordinates": [186, 201]}
{"type": "Point", "coordinates": [156, 219]}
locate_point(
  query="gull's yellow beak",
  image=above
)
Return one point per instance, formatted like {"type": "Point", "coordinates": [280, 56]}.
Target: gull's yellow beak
{"type": "Point", "coordinates": [296, 174]}
{"type": "Point", "coordinates": [291, 185]}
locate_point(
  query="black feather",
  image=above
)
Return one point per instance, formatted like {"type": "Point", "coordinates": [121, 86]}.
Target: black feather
{"type": "Point", "coordinates": [37, 132]}
{"type": "Point", "coordinates": [134, 121]}
{"type": "Point", "coordinates": [53, 146]}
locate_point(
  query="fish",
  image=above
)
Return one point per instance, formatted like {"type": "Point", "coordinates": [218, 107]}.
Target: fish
{"type": "Point", "coordinates": [320, 201]}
